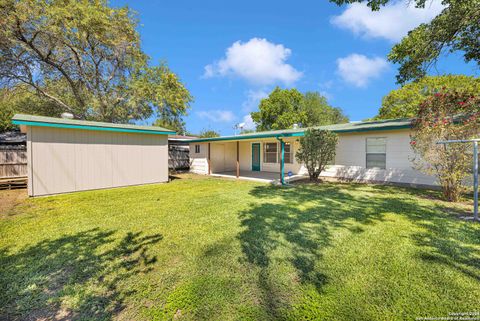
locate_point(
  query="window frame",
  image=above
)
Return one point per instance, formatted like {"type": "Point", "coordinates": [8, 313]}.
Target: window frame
{"type": "Point", "coordinates": [265, 159]}
{"type": "Point", "coordinates": [367, 153]}
{"type": "Point", "coordinates": [290, 153]}
{"type": "Point", "coordinates": [197, 148]}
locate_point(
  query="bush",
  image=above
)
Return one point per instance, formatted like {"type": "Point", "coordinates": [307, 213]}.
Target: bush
{"type": "Point", "coordinates": [446, 116]}
{"type": "Point", "coordinates": [317, 149]}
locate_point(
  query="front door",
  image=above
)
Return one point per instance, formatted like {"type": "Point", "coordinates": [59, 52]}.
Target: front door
{"type": "Point", "coordinates": [256, 157]}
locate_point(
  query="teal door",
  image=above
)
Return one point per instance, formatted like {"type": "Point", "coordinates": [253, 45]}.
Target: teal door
{"type": "Point", "coordinates": [256, 157]}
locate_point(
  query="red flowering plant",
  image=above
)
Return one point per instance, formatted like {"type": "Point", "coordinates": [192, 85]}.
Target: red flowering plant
{"type": "Point", "coordinates": [446, 115]}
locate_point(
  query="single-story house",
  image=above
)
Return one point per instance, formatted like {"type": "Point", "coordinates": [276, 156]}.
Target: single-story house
{"type": "Point", "coordinates": [377, 151]}
{"type": "Point", "coordinates": [68, 155]}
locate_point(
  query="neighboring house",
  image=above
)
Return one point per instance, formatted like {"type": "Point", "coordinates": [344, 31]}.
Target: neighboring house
{"type": "Point", "coordinates": [67, 155]}
{"type": "Point", "coordinates": [367, 151]}
{"type": "Point", "coordinates": [178, 152]}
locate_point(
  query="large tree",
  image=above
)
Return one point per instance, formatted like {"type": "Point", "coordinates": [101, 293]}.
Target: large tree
{"type": "Point", "coordinates": [280, 110]}
{"type": "Point", "coordinates": [319, 112]}
{"type": "Point", "coordinates": [85, 57]}
{"type": "Point", "coordinates": [405, 101]}
{"type": "Point", "coordinates": [456, 28]}
{"type": "Point", "coordinates": [285, 107]}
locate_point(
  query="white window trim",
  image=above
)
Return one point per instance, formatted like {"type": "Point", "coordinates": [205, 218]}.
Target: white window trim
{"type": "Point", "coordinates": [366, 152]}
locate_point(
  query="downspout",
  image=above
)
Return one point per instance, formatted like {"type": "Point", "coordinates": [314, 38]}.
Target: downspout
{"type": "Point", "coordinates": [282, 160]}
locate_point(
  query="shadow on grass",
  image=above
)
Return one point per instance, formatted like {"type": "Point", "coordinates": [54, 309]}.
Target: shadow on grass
{"type": "Point", "coordinates": [303, 218]}
{"type": "Point", "coordinates": [83, 269]}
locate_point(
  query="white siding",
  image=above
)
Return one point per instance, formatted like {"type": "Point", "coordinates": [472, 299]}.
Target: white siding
{"type": "Point", "coordinates": [198, 161]}
{"type": "Point", "coordinates": [350, 160]}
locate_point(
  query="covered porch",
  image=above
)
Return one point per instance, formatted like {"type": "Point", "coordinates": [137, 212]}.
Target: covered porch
{"type": "Point", "coordinates": [264, 177]}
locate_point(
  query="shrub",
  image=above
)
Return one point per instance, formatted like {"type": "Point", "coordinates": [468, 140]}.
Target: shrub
{"type": "Point", "coordinates": [446, 116]}
{"type": "Point", "coordinates": [317, 149]}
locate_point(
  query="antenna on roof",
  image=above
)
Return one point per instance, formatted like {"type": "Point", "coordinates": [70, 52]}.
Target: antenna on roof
{"type": "Point", "coordinates": [238, 126]}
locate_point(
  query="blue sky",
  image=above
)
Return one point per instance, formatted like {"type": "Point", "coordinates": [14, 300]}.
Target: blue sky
{"type": "Point", "coordinates": [230, 54]}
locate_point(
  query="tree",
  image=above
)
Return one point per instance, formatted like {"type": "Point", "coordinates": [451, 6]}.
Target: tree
{"type": "Point", "coordinates": [20, 99]}
{"type": "Point", "coordinates": [317, 150]}
{"type": "Point", "coordinates": [85, 57]}
{"type": "Point", "coordinates": [208, 133]}
{"type": "Point", "coordinates": [405, 101]}
{"type": "Point", "coordinates": [285, 107]}
{"type": "Point", "coordinates": [447, 115]}
{"type": "Point", "coordinates": [319, 112]}
{"type": "Point", "coordinates": [456, 28]}
{"type": "Point", "coordinates": [280, 110]}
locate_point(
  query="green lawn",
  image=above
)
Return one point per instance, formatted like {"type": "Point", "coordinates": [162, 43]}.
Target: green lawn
{"type": "Point", "coordinates": [214, 249]}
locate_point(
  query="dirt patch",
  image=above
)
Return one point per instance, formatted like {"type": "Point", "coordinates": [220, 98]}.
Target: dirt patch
{"type": "Point", "coordinates": [11, 198]}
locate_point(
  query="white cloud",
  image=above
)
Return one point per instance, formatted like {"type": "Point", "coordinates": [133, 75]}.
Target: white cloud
{"type": "Point", "coordinates": [253, 99]}
{"type": "Point", "coordinates": [391, 22]}
{"type": "Point", "coordinates": [359, 70]}
{"type": "Point", "coordinates": [259, 61]}
{"type": "Point", "coordinates": [248, 121]}
{"type": "Point", "coordinates": [218, 116]}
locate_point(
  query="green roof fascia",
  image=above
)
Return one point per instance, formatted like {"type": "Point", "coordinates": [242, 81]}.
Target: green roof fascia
{"type": "Point", "coordinates": [243, 137]}
{"type": "Point", "coordinates": [299, 134]}
{"type": "Point", "coordinates": [90, 126]}
{"type": "Point", "coordinates": [368, 129]}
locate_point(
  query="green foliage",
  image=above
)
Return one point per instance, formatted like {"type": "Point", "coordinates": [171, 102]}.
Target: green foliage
{"type": "Point", "coordinates": [285, 107]}
{"type": "Point", "coordinates": [178, 125]}
{"type": "Point", "coordinates": [317, 150]}
{"type": "Point", "coordinates": [21, 99]}
{"type": "Point", "coordinates": [319, 112]}
{"type": "Point", "coordinates": [208, 133]}
{"type": "Point", "coordinates": [456, 28]}
{"type": "Point", "coordinates": [280, 110]}
{"type": "Point", "coordinates": [447, 115]}
{"type": "Point", "coordinates": [405, 101]}
{"type": "Point", "coordinates": [85, 57]}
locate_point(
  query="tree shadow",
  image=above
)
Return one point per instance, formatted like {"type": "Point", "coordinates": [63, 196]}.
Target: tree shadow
{"type": "Point", "coordinates": [84, 269]}
{"type": "Point", "coordinates": [304, 217]}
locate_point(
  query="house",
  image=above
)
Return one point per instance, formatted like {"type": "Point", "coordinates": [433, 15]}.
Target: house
{"type": "Point", "coordinates": [367, 151]}
{"type": "Point", "coordinates": [68, 155]}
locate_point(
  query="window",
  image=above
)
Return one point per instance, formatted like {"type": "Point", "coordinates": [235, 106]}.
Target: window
{"type": "Point", "coordinates": [288, 153]}
{"type": "Point", "coordinates": [376, 152]}
{"type": "Point", "coordinates": [197, 149]}
{"type": "Point", "coordinates": [270, 153]}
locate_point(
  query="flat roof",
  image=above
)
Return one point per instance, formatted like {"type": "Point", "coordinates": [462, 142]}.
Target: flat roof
{"type": "Point", "coordinates": [41, 121]}
{"type": "Point", "coordinates": [355, 127]}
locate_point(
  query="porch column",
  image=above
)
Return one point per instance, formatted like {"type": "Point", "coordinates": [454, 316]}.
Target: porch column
{"type": "Point", "coordinates": [208, 160]}
{"type": "Point", "coordinates": [282, 161]}
{"type": "Point", "coordinates": [238, 158]}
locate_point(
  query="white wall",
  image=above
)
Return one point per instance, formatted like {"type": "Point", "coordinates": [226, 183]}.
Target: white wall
{"type": "Point", "coordinates": [350, 160]}
{"type": "Point", "coordinates": [68, 160]}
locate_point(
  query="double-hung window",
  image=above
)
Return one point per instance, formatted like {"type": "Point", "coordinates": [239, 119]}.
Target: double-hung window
{"type": "Point", "coordinates": [270, 153]}
{"type": "Point", "coordinates": [377, 152]}
{"type": "Point", "coordinates": [288, 153]}
{"type": "Point", "coordinates": [197, 149]}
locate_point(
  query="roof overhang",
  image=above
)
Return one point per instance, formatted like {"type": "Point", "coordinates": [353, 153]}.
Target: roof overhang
{"type": "Point", "coordinates": [27, 120]}
{"type": "Point", "coordinates": [296, 134]}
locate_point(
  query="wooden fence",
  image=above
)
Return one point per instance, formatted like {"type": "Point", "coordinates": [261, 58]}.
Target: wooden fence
{"type": "Point", "coordinates": [13, 161]}
{"type": "Point", "coordinates": [178, 157]}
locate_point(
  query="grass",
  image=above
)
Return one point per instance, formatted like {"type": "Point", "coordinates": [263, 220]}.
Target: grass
{"type": "Point", "coordinates": [214, 249]}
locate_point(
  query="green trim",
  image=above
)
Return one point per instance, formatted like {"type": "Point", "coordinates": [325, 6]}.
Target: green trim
{"type": "Point", "coordinates": [296, 134]}
{"type": "Point", "coordinates": [257, 166]}
{"type": "Point", "coordinates": [89, 127]}
{"type": "Point", "coordinates": [240, 137]}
